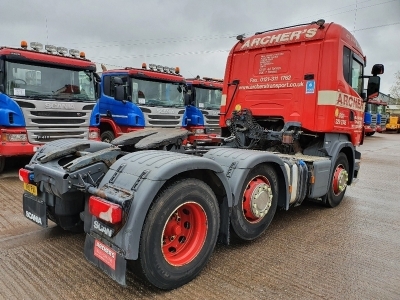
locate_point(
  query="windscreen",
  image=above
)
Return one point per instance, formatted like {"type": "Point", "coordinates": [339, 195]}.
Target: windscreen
{"type": "Point", "coordinates": [156, 93]}
{"type": "Point", "coordinates": [49, 83]}
{"type": "Point", "coordinates": [208, 98]}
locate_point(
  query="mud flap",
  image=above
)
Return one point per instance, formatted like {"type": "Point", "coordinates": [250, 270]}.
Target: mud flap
{"type": "Point", "coordinates": [106, 258]}
{"type": "Point", "coordinates": [34, 209]}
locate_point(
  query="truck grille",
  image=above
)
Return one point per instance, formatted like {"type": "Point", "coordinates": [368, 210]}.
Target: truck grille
{"type": "Point", "coordinates": [163, 117]}
{"type": "Point", "coordinates": [45, 125]}
{"type": "Point", "coordinates": [373, 121]}
{"type": "Point", "coordinates": [211, 121]}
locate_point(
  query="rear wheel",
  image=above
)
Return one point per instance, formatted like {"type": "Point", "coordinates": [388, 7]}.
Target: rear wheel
{"type": "Point", "coordinates": [254, 213]}
{"type": "Point", "coordinates": [107, 136]}
{"type": "Point", "coordinates": [179, 234]}
{"type": "Point", "coordinates": [338, 182]}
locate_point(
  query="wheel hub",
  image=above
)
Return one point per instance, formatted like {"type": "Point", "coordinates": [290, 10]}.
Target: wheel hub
{"type": "Point", "coordinates": [257, 199]}
{"type": "Point", "coordinates": [340, 180]}
{"type": "Point", "coordinates": [184, 234]}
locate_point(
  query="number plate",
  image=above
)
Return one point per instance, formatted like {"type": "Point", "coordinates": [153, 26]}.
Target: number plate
{"type": "Point", "coordinates": [105, 254]}
{"type": "Point", "coordinates": [30, 188]}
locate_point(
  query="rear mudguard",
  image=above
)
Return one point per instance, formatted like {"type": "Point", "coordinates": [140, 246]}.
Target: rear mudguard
{"type": "Point", "coordinates": [144, 173]}
{"type": "Point", "coordinates": [237, 163]}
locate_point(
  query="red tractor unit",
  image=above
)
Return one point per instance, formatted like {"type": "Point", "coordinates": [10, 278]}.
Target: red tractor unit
{"type": "Point", "coordinates": [304, 81]}
{"type": "Point", "coordinates": [291, 118]}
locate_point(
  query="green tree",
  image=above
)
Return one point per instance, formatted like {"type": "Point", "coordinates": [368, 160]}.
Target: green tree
{"type": "Point", "coordinates": [395, 89]}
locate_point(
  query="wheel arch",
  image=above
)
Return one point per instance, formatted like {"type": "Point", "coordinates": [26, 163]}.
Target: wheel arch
{"type": "Point", "coordinates": [237, 164]}
{"type": "Point", "coordinates": [334, 144]}
{"type": "Point", "coordinates": [107, 124]}
{"type": "Point", "coordinates": [148, 179]}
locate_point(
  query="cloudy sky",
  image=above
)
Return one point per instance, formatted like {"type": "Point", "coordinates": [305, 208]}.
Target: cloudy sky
{"type": "Point", "coordinates": [194, 35]}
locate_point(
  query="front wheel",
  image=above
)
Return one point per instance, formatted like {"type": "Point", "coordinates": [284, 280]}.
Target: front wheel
{"type": "Point", "coordinates": [257, 207]}
{"type": "Point", "coordinates": [179, 234]}
{"type": "Point", "coordinates": [370, 133]}
{"type": "Point", "coordinates": [338, 182]}
{"type": "Point", "coordinates": [107, 136]}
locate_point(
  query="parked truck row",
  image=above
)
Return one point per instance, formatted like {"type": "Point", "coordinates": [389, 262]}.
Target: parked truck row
{"type": "Point", "coordinates": [57, 94]}
{"type": "Point", "coordinates": [291, 119]}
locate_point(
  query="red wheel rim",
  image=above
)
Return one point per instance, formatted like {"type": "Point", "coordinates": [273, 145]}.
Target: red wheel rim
{"type": "Point", "coordinates": [257, 199]}
{"type": "Point", "coordinates": [184, 234]}
{"type": "Point", "coordinates": [340, 178]}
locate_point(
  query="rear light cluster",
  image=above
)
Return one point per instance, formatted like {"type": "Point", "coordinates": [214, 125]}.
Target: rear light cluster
{"type": "Point", "coordinates": [105, 210]}
{"type": "Point", "coordinates": [26, 175]}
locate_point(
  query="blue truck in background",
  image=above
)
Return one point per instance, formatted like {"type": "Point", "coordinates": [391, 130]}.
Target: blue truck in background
{"type": "Point", "coordinates": [207, 93]}
{"type": "Point", "coordinates": [154, 97]}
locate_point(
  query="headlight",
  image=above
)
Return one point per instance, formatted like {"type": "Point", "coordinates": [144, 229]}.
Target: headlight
{"type": "Point", "coordinates": [14, 137]}
{"type": "Point", "coordinates": [228, 122]}
{"type": "Point", "coordinates": [93, 135]}
{"type": "Point", "coordinates": [199, 131]}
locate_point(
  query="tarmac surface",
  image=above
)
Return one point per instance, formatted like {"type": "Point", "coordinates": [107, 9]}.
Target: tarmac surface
{"type": "Point", "coordinates": [308, 252]}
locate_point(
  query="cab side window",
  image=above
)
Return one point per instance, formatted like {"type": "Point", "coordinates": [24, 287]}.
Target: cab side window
{"type": "Point", "coordinates": [346, 64]}
{"type": "Point", "coordinates": [109, 84]}
{"type": "Point", "coordinates": [353, 70]}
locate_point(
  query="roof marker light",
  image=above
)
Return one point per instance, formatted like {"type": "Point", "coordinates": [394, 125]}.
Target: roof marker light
{"type": "Point", "coordinates": [36, 46]}
{"type": "Point", "coordinates": [50, 48]}
{"type": "Point", "coordinates": [62, 50]}
{"type": "Point", "coordinates": [74, 52]}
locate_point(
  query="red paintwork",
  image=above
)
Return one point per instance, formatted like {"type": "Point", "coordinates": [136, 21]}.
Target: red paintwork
{"type": "Point", "coordinates": [149, 74]}
{"type": "Point", "coordinates": [261, 60]}
{"type": "Point", "coordinates": [212, 83]}
{"type": "Point", "coordinates": [184, 234]}
{"type": "Point", "coordinates": [47, 57]}
{"type": "Point", "coordinates": [8, 149]}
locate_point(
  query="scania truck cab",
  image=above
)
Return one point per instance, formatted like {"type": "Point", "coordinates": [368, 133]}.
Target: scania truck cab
{"type": "Point", "coordinates": [44, 96]}
{"type": "Point", "coordinates": [153, 97]}
{"type": "Point", "coordinates": [207, 94]}
{"type": "Point", "coordinates": [371, 118]}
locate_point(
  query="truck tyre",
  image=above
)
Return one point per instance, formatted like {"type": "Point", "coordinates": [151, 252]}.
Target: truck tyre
{"type": "Point", "coordinates": [107, 136]}
{"type": "Point", "coordinates": [179, 234]}
{"type": "Point", "coordinates": [257, 207]}
{"type": "Point", "coordinates": [338, 182]}
{"type": "Point", "coordinates": [2, 163]}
